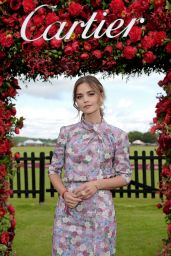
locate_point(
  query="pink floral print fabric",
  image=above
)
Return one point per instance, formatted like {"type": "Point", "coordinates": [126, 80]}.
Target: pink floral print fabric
{"type": "Point", "coordinates": [87, 152]}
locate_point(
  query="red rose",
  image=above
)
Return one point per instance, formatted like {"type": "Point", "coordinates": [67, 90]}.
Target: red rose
{"type": "Point", "coordinates": [96, 3]}
{"type": "Point", "coordinates": [2, 171]}
{"type": "Point", "coordinates": [149, 57]}
{"type": "Point", "coordinates": [17, 155]}
{"type": "Point", "coordinates": [68, 50]}
{"type": "Point", "coordinates": [135, 34]}
{"type": "Point", "coordinates": [119, 45]}
{"type": "Point", "coordinates": [4, 238]}
{"type": "Point", "coordinates": [11, 209]}
{"type": "Point", "coordinates": [94, 43]}
{"type": "Point", "coordinates": [13, 111]}
{"type": "Point", "coordinates": [87, 46]}
{"type": "Point", "coordinates": [167, 207]}
{"type": "Point", "coordinates": [168, 47]}
{"type": "Point", "coordinates": [51, 18]}
{"type": "Point", "coordinates": [108, 50]}
{"type": "Point", "coordinates": [169, 227]}
{"type": "Point", "coordinates": [2, 133]}
{"type": "Point", "coordinates": [2, 212]}
{"type": "Point", "coordinates": [39, 42]}
{"type": "Point", "coordinates": [38, 20]}
{"type": "Point", "coordinates": [11, 92]}
{"type": "Point", "coordinates": [97, 54]}
{"type": "Point", "coordinates": [158, 205]}
{"type": "Point", "coordinates": [75, 9]}
{"type": "Point", "coordinates": [55, 43]}
{"type": "Point", "coordinates": [167, 119]}
{"type": "Point", "coordinates": [6, 39]}
{"type": "Point", "coordinates": [159, 37]}
{"type": "Point", "coordinates": [17, 130]}
{"type": "Point", "coordinates": [117, 6]}
{"type": "Point", "coordinates": [99, 15]}
{"type": "Point", "coordinates": [129, 52]}
{"type": "Point", "coordinates": [1, 80]}
{"type": "Point", "coordinates": [10, 21]}
{"type": "Point", "coordinates": [147, 42]}
{"type": "Point", "coordinates": [4, 146]}
{"type": "Point", "coordinates": [15, 4]}
{"type": "Point", "coordinates": [28, 5]}
{"type": "Point", "coordinates": [76, 46]}
{"type": "Point", "coordinates": [2, 55]}
{"type": "Point", "coordinates": [84, 56]}
{"type": "Point", "coordinates": [13, 223]}
{"type": "Point", "coordinates": [159, 3]}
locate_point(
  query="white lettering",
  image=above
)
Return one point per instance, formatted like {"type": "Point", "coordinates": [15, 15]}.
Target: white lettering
{"type": "Point", "coordinates": [87, 26]}
{"type": "Point", "coordinates": [110, 28]}
{"type": "Point", "coordinates": [57, 35]}
{"type": "Point", "coordinates": [24, 25]}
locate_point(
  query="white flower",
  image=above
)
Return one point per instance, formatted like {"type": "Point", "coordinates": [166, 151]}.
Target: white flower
{"type": "Point", "coordinates": [72, 228]}
{"type": "Point", "coordinates": [107, 254]}
{"type": "Point", "coordinates": [62, 239]}
{"type": "Point", "coordinates": [69, 150]}
{"type": "Point", "coordinates": [82, 247]}
{"type": "Point", "coordinates": [60, 251]}
{"type": "Point", "coordinates": [87, 225]}
{"type": "Point", "coordinates": [79, 208]}
{"type": "Point", "coordinates": [107, 155]}
{"type": "Point", "coordinates": [88, 158]}
{"type": "Point", "coordinates": [65, 219]}
{"type": "Point", "coordinates": [85, 136]}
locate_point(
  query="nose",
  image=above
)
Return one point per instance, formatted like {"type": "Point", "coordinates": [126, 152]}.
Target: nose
{"type": "Point", "coordinates": [85, 98]}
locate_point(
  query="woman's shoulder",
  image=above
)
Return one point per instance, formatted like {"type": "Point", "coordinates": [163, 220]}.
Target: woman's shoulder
{"type": "Point", "coordinates": [115, 129]}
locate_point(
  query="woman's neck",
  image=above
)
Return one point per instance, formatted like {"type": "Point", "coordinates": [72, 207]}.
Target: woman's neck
{"type": "Point", "coordinates": [93, 118]}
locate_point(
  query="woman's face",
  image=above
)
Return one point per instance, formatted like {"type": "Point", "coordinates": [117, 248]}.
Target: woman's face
{"type": "Point", "coordinates": [87, 99]}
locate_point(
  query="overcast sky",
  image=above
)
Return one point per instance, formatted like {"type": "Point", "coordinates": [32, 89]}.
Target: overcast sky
{"type": "Point", "coordinates": [46, 106]}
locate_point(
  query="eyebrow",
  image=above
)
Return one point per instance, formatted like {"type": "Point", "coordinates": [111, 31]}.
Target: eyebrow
{"type": "Point", "coordinates": [86, 92]}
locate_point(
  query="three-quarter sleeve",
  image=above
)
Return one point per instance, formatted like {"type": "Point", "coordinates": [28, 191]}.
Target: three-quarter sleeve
{"type": "Point", "coordinates": [58, 157]}
{"type": "Point", "coordinates": [121, 162]}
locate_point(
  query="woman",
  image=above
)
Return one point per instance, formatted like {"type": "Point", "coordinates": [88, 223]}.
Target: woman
{"type": "Point", "coordinates": [95, 158]}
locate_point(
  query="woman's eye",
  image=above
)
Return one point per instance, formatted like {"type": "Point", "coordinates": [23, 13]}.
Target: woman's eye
{"type": "Point", "coordinates": [79, 97]}
{"type": "Point", "coordinates": [91, 94]}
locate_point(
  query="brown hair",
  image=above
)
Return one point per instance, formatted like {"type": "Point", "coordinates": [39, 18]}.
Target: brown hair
{"type": "Point", "coordinates": [94, 83]}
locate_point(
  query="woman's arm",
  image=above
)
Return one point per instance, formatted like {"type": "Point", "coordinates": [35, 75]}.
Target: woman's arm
{"type": "Point", "coordinates": [55, 170]}
{"type": "Point", "coordinates": [57, 183]}
{"type": "Point", "coordinates": [110, 183]}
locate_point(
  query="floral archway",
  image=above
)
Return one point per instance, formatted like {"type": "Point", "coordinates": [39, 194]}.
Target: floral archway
{"type": "Point", "coordinates": [146, 48]}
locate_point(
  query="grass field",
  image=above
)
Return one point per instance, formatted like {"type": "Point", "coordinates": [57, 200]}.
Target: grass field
{"type": "Point", "coordinates": [45, 149]}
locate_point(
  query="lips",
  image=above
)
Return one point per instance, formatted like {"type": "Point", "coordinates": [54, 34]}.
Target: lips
{"type": "Point", "coordinates": [87, 106]}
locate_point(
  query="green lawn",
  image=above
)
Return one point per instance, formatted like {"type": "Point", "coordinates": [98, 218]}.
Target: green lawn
{"type": "Point", "coordinates": [140, 229]}
{"type": "Point", "coordinates": [46, 149]}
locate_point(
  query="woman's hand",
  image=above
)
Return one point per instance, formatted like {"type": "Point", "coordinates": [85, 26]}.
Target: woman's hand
{"type": "Point", "coordinates": [71, 200]}
{"type": "Point", "coordinates": [86, 190]}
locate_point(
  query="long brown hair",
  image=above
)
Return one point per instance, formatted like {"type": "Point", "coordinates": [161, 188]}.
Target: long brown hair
{"type": "Point", "coordinates": [95, 84]}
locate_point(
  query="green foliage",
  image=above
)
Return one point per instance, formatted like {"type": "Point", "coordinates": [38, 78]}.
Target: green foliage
{"type": "Point", "coordinates": [135, 135]}
{"type": "Point", "coordinates": [146, 137]}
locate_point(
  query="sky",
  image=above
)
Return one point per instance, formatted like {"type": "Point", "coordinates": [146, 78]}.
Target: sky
{"type": "Point", "coordinates": [46, 106]}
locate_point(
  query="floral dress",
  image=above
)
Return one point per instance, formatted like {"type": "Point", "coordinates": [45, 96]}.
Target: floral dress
{"type": "Point", "coordinates": [88, 152]}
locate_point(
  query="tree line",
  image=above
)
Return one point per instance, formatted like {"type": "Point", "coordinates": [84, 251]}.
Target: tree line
{"type": "Point", "coordinates": [146, 137]}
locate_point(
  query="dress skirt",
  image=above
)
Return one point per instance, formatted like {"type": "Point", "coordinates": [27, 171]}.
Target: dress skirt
{"type": "Point", "coordinates": [89, 229]}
